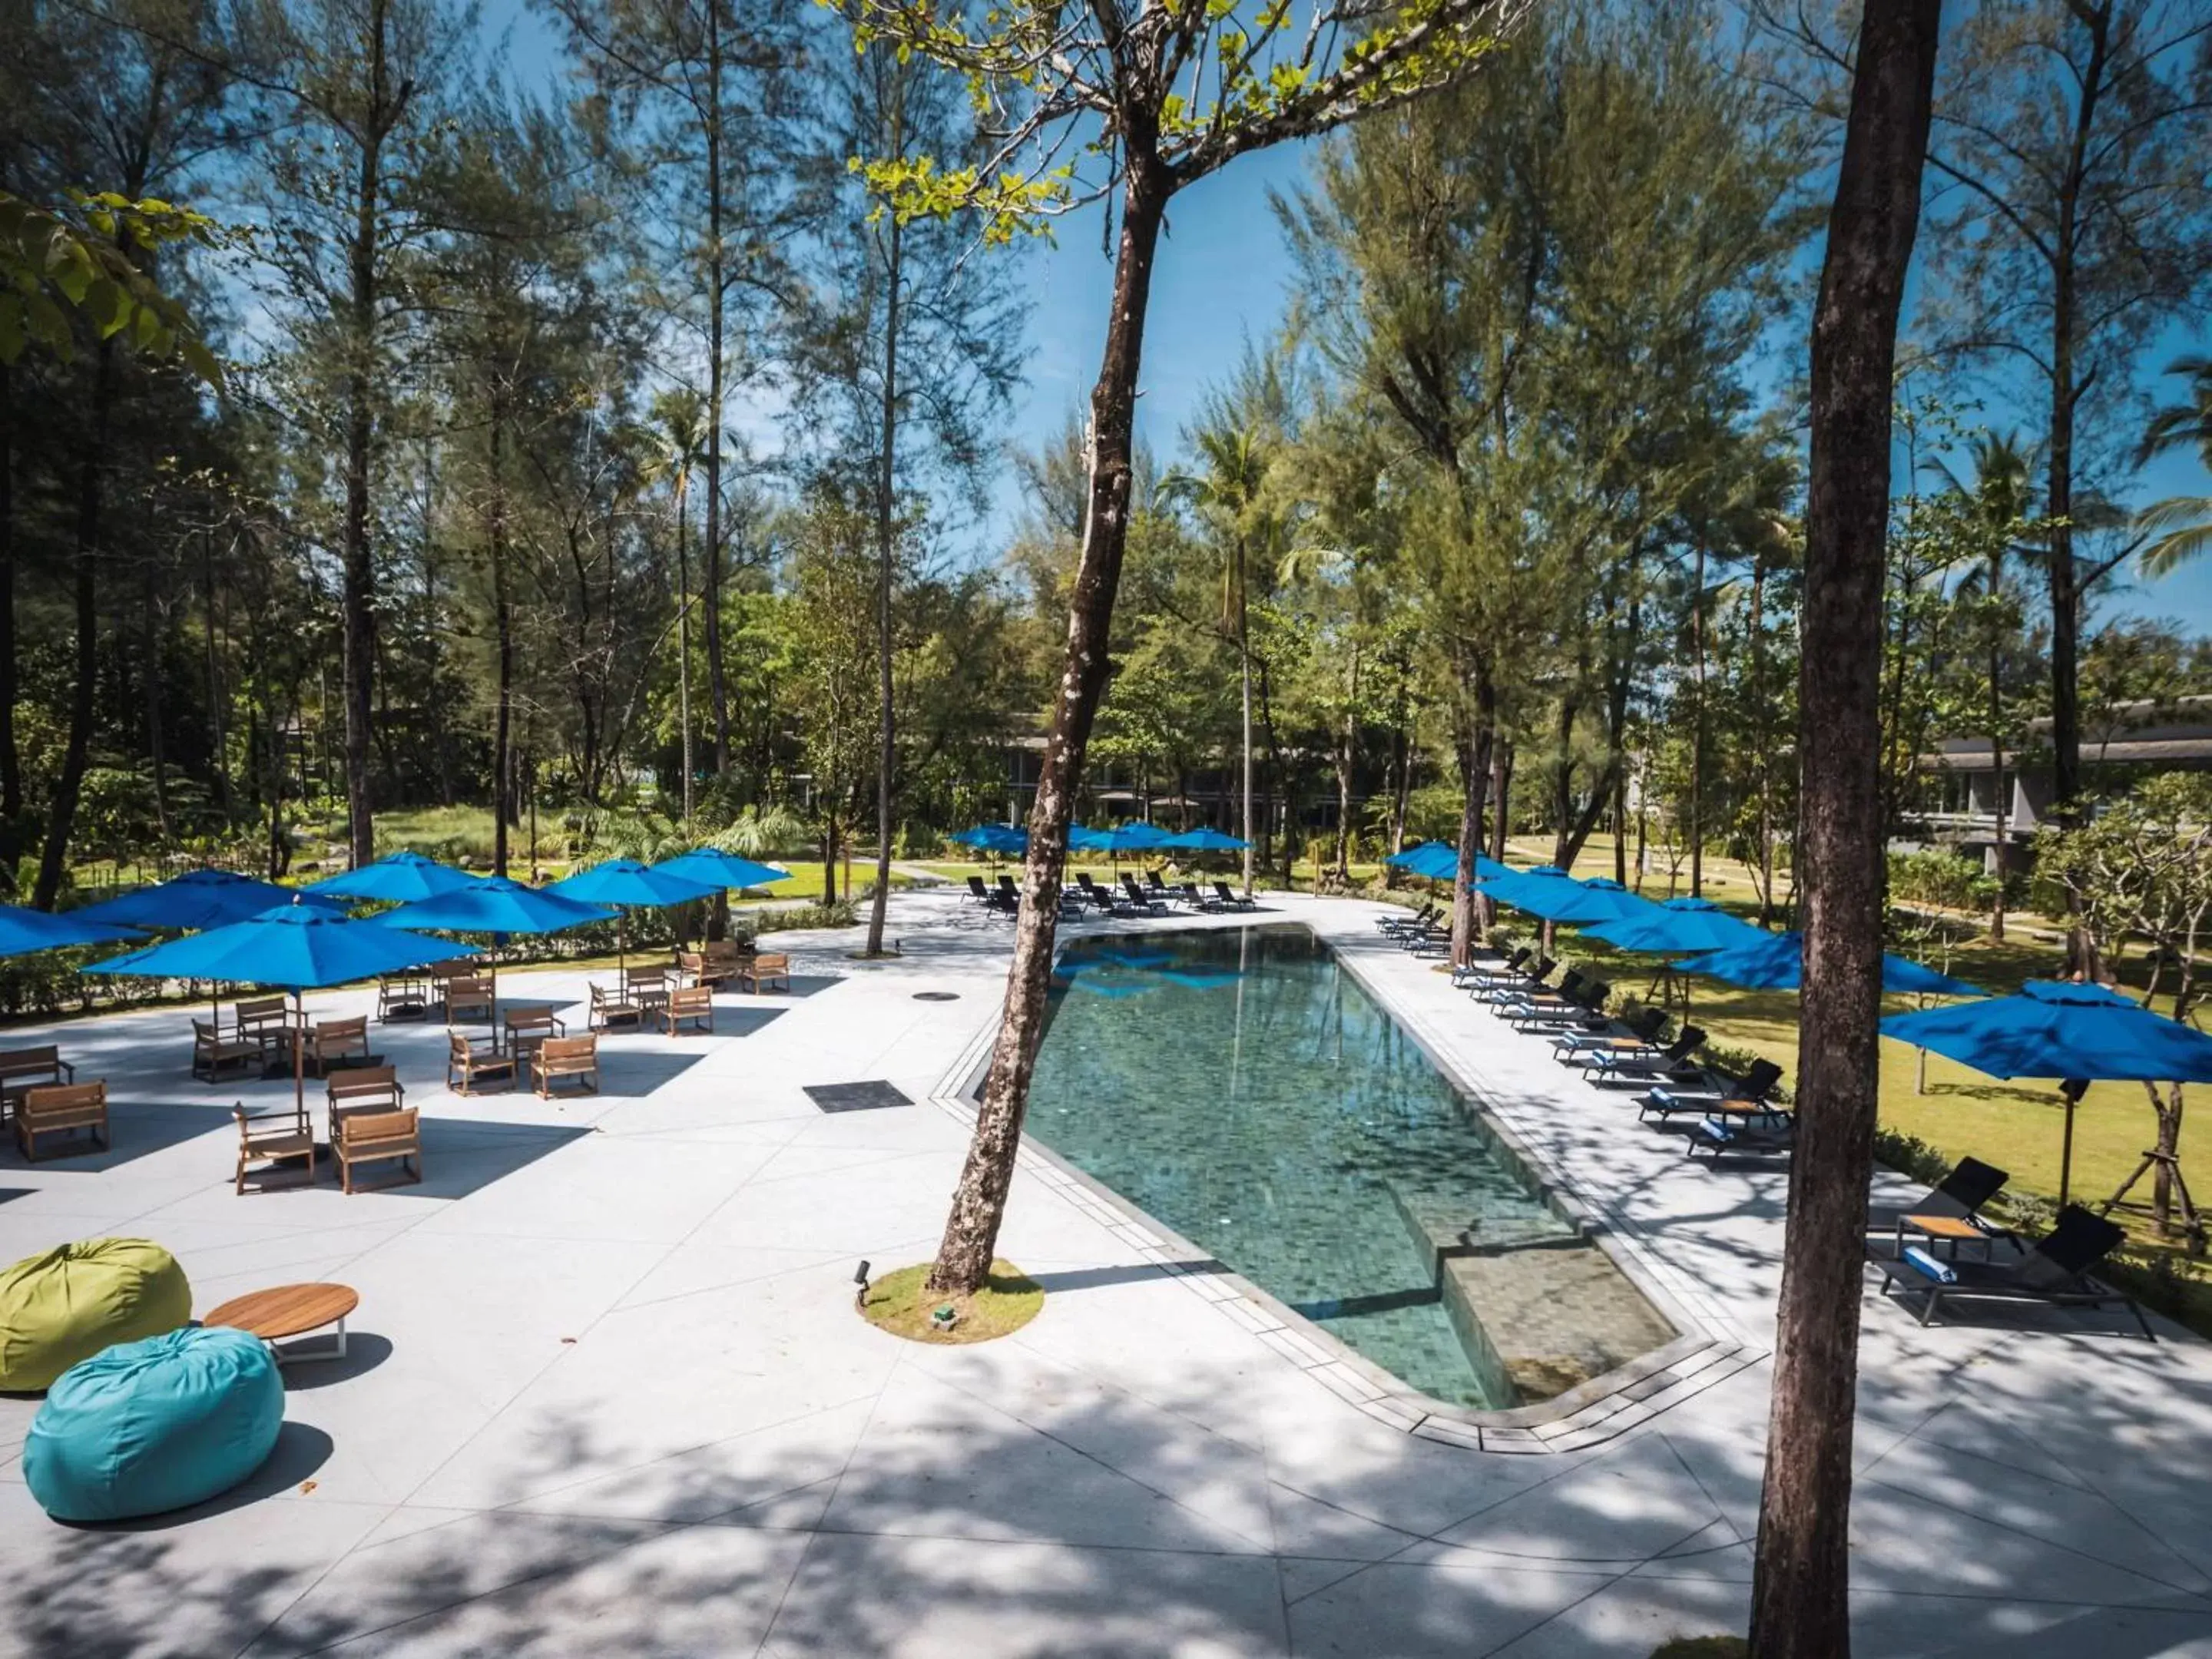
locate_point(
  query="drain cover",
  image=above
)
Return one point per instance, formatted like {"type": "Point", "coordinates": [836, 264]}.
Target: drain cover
{"type": "Point", "coordinates": [854, 1096]}
{"type": "Point", "coordinates": [936, 996]}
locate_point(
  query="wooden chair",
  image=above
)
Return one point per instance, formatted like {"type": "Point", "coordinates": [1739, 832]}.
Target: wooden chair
{"type": "Point", "coordinates": [563, 1057]}
{"type": "Point", "coordinates": [721, 957]}
{"type": "Point", "coordinates": [333, 1040]}
{"type": "Point", "coordinates": [757, 972]}
{"type": "Point", "coordinates": [468, 993]}
{"type": "Point", "coordinates": [62, 1109]}
{"type": "Point", "coordinates": [375, 1137]}
{"type": "Point", "coordinates": [273, 1139]}
{"type": "Point", "coordinates": [527, 1027]}
{"type": "Point", "coordinates": [264, 1020]}
{"type": "Point", "coordinates": [213, 1054]}
{"type": "Point", "coordinates": [612, 1009]}
{"type": "Point", "coordinates": [402, 996]}
{"type": "Point", "coordinates": [646, 988]}
{"type": "Point", "coordinates": [695, 1005]}
{"type": "Point", "coordinates": [363, 1088]}
{"type": "Point", "coordinates": [696, 968]}
{"type": "Point", "coordinates": [466, 1062]}
{"type": "Point", "coordinates": [22, 1070]}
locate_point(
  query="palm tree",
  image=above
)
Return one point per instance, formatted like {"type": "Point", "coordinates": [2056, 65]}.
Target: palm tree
{"type": "Point", "coordinates": [679, 435]}
{"type": "Point", "coordinates": [1998, 500]}
{"type": "Point", "coordinates": [2183, 524]}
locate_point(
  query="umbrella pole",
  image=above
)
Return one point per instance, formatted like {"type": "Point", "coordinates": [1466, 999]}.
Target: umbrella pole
{"type": "Point", "coordinates": [2066, 1153]}
{"type": "Point", "coordinates": [300, 1068]}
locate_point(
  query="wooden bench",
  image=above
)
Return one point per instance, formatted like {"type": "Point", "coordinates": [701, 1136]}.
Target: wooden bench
{"type": "Point", "coordinates": [363, 1088]}
{"type": "Point", "coordinates": [62, 1109]}
{"type": "Point", "coordinates": [574, 1057]}
{"type": "Point", "coordinates": [755, 972]}
{"type": "Point", "coordinates": [374, 1138]}
{"type": "Point", "coordinates": [214, 1054]}
{"type": "Point", "coordinates": [694, 1006]}
{"type": "Point", "coordinates": [24, 1069]}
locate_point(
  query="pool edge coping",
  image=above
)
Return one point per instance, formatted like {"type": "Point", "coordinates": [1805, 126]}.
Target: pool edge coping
{"type": "Point", "coordinates": [1706, 1350]}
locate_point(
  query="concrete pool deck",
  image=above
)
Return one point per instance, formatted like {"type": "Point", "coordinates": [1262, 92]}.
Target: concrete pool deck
{"type": "Point", "coordinates": [606, 1392]}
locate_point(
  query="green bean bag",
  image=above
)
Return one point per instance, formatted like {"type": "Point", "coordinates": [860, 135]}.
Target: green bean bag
{"type": "Point", "coordinates": [147, 1426]}
{"type": "Point", "coordinates": [75, 1299]}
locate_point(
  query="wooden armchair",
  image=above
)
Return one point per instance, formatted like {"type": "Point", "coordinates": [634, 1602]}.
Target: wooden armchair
{"type": "Point", "coordinates": [22, 1070]}
{"type": "Point", "coordinates": [273, 1139]}
{"type": "Point", "coordinates": [330, 1040]}
{"type": "Point", "coordinates": [214, 1054]}
{"type": "Point", "coordinates": [363, 1088]}
{"type": "Point", "coordinates": [694, 1006]}
{"type": "Point", "coordinates": [469, 1063]}
{"type": "Point", "coordinates": [376, 1136]}
{"type": "Point", "coordinates": [763, 968]}
{"type": "Point", "coordinates": [62, 1108]}
{"type": "Point", "coordinates": [264, 1020]}
{"type": "Point", "coordinates": [402, 996]}
{"type": "Point", "coordinates": [646, 988]}
{"type": "Point", "coordinates": [610, 1009]}
{"type": "Point", "coordinates": [560, 1057]}
{"type": "Point", "coordinates": [468, 994]}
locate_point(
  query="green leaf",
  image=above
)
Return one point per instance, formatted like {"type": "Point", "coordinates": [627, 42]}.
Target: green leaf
{"type": "Point", "coordinates": [144, 327]}
{"type": "Point", "coordinates": [48, 326]}
{"type": "Point", "coordinates": [106, 305]}
{"type": "Point", "coordinates": [200, 361]}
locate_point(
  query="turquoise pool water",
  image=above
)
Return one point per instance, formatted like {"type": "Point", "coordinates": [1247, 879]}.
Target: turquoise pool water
{"type": "Point", "coordinates": [1238, 1084]}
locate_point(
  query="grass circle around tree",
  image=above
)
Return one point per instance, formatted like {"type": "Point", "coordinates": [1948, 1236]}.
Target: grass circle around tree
{"type": "Point", "coordinates": [899, 1303]}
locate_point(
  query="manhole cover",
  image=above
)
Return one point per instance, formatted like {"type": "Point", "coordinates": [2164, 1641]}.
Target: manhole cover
{"type": "Point", "coordinates": [936, 996]}
{"type": "Point", "coordinates": [854, 1096]}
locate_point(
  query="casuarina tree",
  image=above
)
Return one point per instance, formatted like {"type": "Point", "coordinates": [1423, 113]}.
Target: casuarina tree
{"type": "Point", "coordinates": [1124, 102]}
{"type": "Point", "coordinates": [1799, 1603]}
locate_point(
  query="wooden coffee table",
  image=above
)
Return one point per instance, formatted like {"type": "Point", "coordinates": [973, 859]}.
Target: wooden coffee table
{"type": "Point", "coordinates": [290, 1311]}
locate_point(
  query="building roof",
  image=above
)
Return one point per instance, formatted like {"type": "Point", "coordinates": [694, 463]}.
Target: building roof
{"type": "Point", "coordinates": [2146, 732]}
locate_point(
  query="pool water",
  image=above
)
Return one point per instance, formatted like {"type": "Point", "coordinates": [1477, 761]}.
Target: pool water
{"type": "Point", "coordinates": [1239, 1085]}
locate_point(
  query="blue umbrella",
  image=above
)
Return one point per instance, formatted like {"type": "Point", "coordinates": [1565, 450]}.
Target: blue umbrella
{"type": "Point", "coordinates": [2054, 1028]}
{"type": "Point", "coordinates": [1207, 840]}
{"type": "Point", "coordinates": [198, 898]}
{"type": "Point", "coordinates": [499, 905]}
{"type": "Point", "coordinates": [1544, 891]}
{"type": "Point", "coordinates": [1680, 927]}
{"type": "Point", "coordinates": [298, 946]}
{"type": "Point", "coordinates": [22, 931]}
{"type": "Point", "coordinates": [495, 905]}
{"type": "Point", "coordinates": [716, 868]}
{"type": "Point", "coordinates": [1438, 860]}
{"type": "Point", "coordinates": [1603, 900]}
{"type": "Point", "coordinates": [995, 838]}
{"type": "Point", "coordinates": [630, 885]}
{"type": "Point", "coordinates": [1777, 963]}
{"type": "Point", "coordinates": [397, 877]}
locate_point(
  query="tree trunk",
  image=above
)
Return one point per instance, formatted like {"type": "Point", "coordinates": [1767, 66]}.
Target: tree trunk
{"type": "Point", "coordinates": [359, 575]}
{"type": "Point", "coordinates": [717, 688]}
{"type": "Point", "coordinates": [683, 648]}
{"type": "Point", "coordinates": [53, 862]}
{"type": "Point", "coordinates": [11, 770]}
{"type": "Point", "coordinates": [1698, 728]}
{"type": "Point", "coordinates": [157, 756]}
{"type": "Point", "coordinates": [1477, 760]}
{"type": "Point", "coordinates": [218, 757]}
{"type": "Point", "coordinates": [971, 1231]}
{"type": "Point", "coordinates": [1765, 748]}
{"type": "Point", "coordinates": [1244, 689]}
{"type": "Point", "coordinates": [1800, 1606]}
{"type": "Point", "coordinates": [886, 714]}
{"type": "Point", "coordinates": [502, 743]}
{"type": "Point", "coordinates": [1501, 785]}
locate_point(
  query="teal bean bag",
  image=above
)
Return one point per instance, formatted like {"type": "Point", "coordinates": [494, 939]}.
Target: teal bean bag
{"type": "Point", "coordinates": [153, 1426]}
{"type": "Point", "coordinates": [74, 1300]}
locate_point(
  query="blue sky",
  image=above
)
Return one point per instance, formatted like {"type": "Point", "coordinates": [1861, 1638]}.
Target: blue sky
{"type": "Point", "coordinates": [1224, 276]}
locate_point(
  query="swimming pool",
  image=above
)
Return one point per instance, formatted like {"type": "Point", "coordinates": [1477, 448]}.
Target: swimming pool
{"type": "Point", "coordinates": [1242, 1087]}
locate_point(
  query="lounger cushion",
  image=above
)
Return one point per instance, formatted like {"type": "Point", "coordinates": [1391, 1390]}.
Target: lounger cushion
{"type": "Point", "coordinates": [69, 1302]}
{"type": "Point", "coordinates": [1929, 1268]}
{"type": "Point", "coordinates": [149, 1426]}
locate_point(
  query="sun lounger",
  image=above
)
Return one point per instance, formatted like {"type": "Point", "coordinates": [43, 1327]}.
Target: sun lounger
{"type": "Point", "coordinates": [1196, 900]}
{"type": "Point", "coordinates": [1585, 1008]}
{"type": "Point", "coordinates": [1506, 998]}
{"type": "Point", "coordinates": [1230, 901]}
{"type": "Point", "coordinates": [1950, 1212]}
{"type": "Point", "coordinates": [1494, 972]}
{"type": "Point", "coordinates": [1518, 987]}
{"type": "Point", "coordinates": [1705, 1091]}
{"type": "Point", "coordinates": [2054, 1273]}
{"type": "Point", "coordinates": [1753, 1127]}
{"type": "Point", "coordinates": [1639, 1034]}
{"type": "Point", "coordinates": [1427, 914]}
{"type": "Point", "coordinates": [1140, 898]}
{"type": "Point", "coordinates": [1672, 1062]}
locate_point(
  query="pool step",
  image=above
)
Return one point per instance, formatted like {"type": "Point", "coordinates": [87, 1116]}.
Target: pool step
{"type": "Point", "coordinates": [1535, 1305]}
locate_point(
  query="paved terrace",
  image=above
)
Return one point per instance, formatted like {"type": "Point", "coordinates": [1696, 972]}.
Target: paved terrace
{"type": "Point", "coordinates": [608, 1396]}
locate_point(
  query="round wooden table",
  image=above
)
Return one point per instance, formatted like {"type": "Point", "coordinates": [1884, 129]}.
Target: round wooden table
{"type": "Point", "coordinates": [290, 1311]}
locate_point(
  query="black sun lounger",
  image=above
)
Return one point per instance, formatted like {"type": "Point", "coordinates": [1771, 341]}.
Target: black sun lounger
{"type": "Point", "coordinates": [2055, 1273]}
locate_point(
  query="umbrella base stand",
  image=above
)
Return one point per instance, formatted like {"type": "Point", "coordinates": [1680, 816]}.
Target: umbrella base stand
{"type": "Point", "coordinates": [2192, 1225]}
